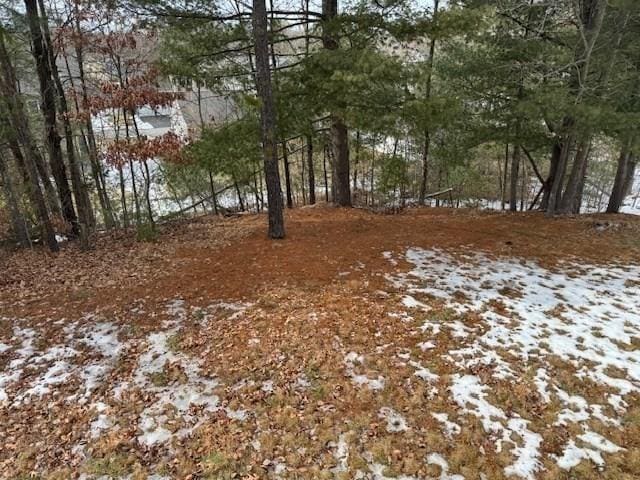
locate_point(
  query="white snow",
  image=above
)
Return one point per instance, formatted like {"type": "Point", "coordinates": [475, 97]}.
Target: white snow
{"type": "Point", "coordinates": [395, 422]}
{"type": "Point", "coordinates": [423, 372]}
{"type": "Point", "coordinates": [597, 444]}
{"type": "Point", "coordinates": [585, 315]}
{"type": "Point", "coordinates": [182, 396]}
{"type": "Point", "coordinates": [350, 362]}
{"type": "Point", "coordinates": [59, 363]}
{"type": "Point", "coordinates": [469, 393]}
{"type": "Point", "coordinates": [428, 345]}
{"type": "Point", "coordinates": [90, 350]}
{"type": "Point", "coordinates": [178, 123]}
{"type": "Point", "coordinates": [450, 428]}
{"type": "Point", "coordinates": [341, 454]}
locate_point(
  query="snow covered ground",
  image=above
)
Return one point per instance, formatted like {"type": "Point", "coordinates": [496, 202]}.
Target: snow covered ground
{"type": "Point", "coordinates": [79, 363]}
{"type": "Point", "coordinates": [585, 315]}
{"type": "Point", "coordinates": [473, 355]}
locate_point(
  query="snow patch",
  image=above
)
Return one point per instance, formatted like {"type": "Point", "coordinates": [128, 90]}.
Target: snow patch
{"type": "Point", "coordinates": [585, 315]}
{"type": "Point", "coordinates": [450, 428]}
{"type": "Point", "coordinates": [470, 395]}
{"type": "Point", "coordinates": [395, 422]}
{"type": "Point", "coordinates": [350, 361]}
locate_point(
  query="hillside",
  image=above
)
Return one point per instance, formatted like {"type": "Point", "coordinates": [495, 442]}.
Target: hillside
{"type": "Point", "coordinates": [434, 343]}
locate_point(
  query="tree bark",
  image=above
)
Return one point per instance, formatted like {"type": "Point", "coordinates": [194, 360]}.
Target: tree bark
{"type": "Point", "coordinates": [505, 174]}
{"type": "Point", "coordinates": [427, 134]}
{"type": "Point", "coordinates": [556, 151]}
{"type": "Point", "coordinates": [48, 106]}
{"type": "Point", "coordinates": [515, 170]}
{"type": "Point", "coordinates": [123, 198]}
{"type": "Point", "coordinates": [303, 186]}
{"type": "Point", "coordinates": [339, 131]}
{"type": "Point", "coordinates": [83, 203]}
{"type": "Point", "coordinates": [49, 190]}
{"type": "Point", "coordinates": [576, 177]}
{"type": "Point", "coordinates": [356, 162]}
{"type": "Point", "coordinates": [18, 222]}
{"type": "Point", "coordinates": [147, 192]}
{"type": "Point", "coordinates": [577, 204]}
{"type": "Point", "coordinates": [555, 188]}
{"type": "Point", "coordinates": [311, 175]}
{"type": "Point", "coordinates": [591, 14]}
{"type": "Point", "coordinates": [617, 192]}
{"type": "Point", "coordinates": [21, 129]}
{"type": "Point", "coordinates": [631, 173]}
{"type": "Point", "coordinates": [238, 193]}
{"type": "Point", "coordinates": [287, 174]}
{"type": "Point", "coordinates": [324, 169]}
{"type": "Point", "coordinates": [268, 120]}
{"type": "Point", "coordinates": [340, 142]}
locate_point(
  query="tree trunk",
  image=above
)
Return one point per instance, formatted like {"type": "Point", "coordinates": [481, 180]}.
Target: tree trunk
{"type": "Point", "coordinates": [238, 193]}
{"type": "Point", "coordinates": [339, 131]}
{"type": "Point", "coordinates": [505, 175]}
{"type": "Point", "coordinates": [268, 119]}
{"type": "Point", "coordinates": [372, 173]}
{"type": "Point", "coordinates": [136, 199]}
{"type": "Point", "coordinates": [18, 223]}
{"type": "Point", "coordinates": [592, 14]}
{"type": "Point", "coordinates": [555, 189]}
{"type": "Point", "coordinates": [22, 132]}
{"type": "Point", "coordinates": [576, 177]}
{"type": "Point", "coordinates": [287, 175]}
{"type": "Point", "coordinates": [83, 203]}
{"type": "Point", "coordinates": [340, 142]}
{"type": "Point", "coordinates": [96, 168]}
{"type": "Point", "coordinates": [123, 198]}
{"type": "Point", "coordinates": [425, 167]}
{"type": "Point", "coordinates": [311, 175]}
{"type": "Point", "coordinates": [213, 194]}
{"type": "Point", "coordinates": [303, 185]}
{"type": "Point", "coordinates": [556, 151]}
{"type": "Point", "coordinates": [256, 193]}
{"type": "Point", "coordinates": [631, 173]}
{"type": "Point", "coordinates": [515, 170]}
{"type": "Point", "coordinates": [427, 135]}
{"type": "Point", "coordinates": [577, 204]}
{"type": "Point", "coordinates": [147, 192]}
{"type": "Point", "coordinates": [356, 162]}
{"type": "Point", "coordinates": [324, 169]}
{"type": "Point", "coordinates": [617, 192]}
{"type": "Point", "coordinates": [48, 107]}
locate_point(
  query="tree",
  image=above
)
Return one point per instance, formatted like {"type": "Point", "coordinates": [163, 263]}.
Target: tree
{"type": "Point", "coordinates": [427, 98]}
{"type": "Point", "coordinates": [29, 152]}
{"type": "Point", "coordinates": [267, 120]}
{"type": "Point", "coordinates": [18, 221]}
{"type": "Point", "coordinates": [48, 108]}
{"type": "Point", "coordinates": [339, 131]}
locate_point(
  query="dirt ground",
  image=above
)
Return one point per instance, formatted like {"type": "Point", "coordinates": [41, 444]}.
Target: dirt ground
{"type": "Point", "coordinates": [233, 258]}
{"type": "Point", "coordinates": [302, 346]}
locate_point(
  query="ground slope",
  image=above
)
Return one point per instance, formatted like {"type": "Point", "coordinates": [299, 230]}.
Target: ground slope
{"type": "Point", "coordinates": [431, 344]}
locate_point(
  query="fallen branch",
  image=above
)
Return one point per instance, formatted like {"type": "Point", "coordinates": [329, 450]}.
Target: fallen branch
{"type": "Point", "coordinates": [533, 164]}
{"type": "Point", "coordinates": [441, 192]}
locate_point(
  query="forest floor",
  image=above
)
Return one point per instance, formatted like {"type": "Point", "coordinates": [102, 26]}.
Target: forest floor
{"type": "Point", "coordinates": [431, 344]}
